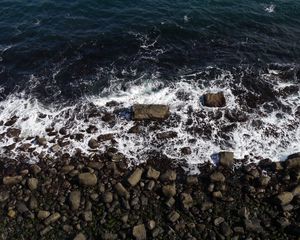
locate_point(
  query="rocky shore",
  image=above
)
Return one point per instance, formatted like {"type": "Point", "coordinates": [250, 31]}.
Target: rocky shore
{"type": "Point", "coordinates": [102, 195]}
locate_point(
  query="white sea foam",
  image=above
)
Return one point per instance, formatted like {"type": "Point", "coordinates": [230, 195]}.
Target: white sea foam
{"type": "Point", "coordinates": [276, 135]}
{"type": "Point", "coordinates": [270, 8]}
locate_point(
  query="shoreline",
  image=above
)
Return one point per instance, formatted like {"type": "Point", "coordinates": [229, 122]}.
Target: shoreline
{"type": "Point", "coordinates": [99, 197]}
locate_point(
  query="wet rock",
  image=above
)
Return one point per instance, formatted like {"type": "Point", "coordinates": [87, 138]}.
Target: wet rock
{"type": "Point", "coordinates": [226, 159]}
{"type": "Point", "coordinates": [296, 191]}
{"type": "Point", "coordinates": [11, 213]}
{"type": "Point", "coordinates": [122, 192]}
{"type": "Point", "coordinates": [91, 129]}
{"type": "Point", "coordinates": [108, 117]}
{"type": "Point", "coordinates": [43, 214]}
{"type": "Point", "coordinates": [284, 198]}
{"type": "Point", "coordinates": [135, 129]}
{"type": "Point", "coordinates": [139, 232]}
{"type": "Point", "coordinates": [35, 169]}
{"type": "Point", "coordinates": [169, 190]}
{"type": "Point", "coordinates": [192, 180]}
{"type": "Point", "coordinates": [243, 212]}
{"type": "Point", "coordinates": [41, 141]}
{"type": "Point", "coordinates": [105, 137]}
{"type": "Point", "coordinates": [87, 179]}
{"type": "Point", "coordinates": [169, 175]}
{"type": "Point", "coordinates": [109, 236]}
{"type": "Point", "coordinates": [152, 173]}
{"type": "Point", "coordinates": [214, 100]}
{"type": "Point", "coordinates": [166, 135]}
{"type": "Point", "coordinates": [235, 115]}
{"type": "Point", "coordinates": [186, 200]}
{"type": "Point", "coordinates": [150, 112]}
{"type": "Point", "coordinates": [264, 180]}
{"type": "Point", "coordinates": [55, 148]}
{"type": "Point", "coordinates": [52, 218]}
{"type": "Point", "coordinates": [225, 229]}
{"type": "Point", "coordinates": [32, 183]}
{"type": "Point", "coordinates": [93, 143]}
{"type": "Point", "coordinates": [13, 132]}
{"type": "Point", "coordinates": [75, 198]}
{"type": "Point", "coordinates": [80, 236]}
{"type": "Point", "coordinates": [46, 230]}
{"type": "Point", "coordinates": [33, 203]}
{"type": "Point", "coordinates": [151, 225]}
{"type": "Point", "coordinates": [206, 205]}
{"type": "Point", "coordinates": [217, 177]}
{"type": "Point", "coordinates": [293, 163]}
{"type": "Point", "coordinates": [253, 226]}
{"type": "Point", "coordinates": [186, 150]}
{"type": "Point", "coordinates": [173, 216]}
{"type": "Point", "coordinates": [135, 177]}
{"type": "Point", "coordinates": [11, 121]}
{"type": "Point", "coordinates": [12, 180]}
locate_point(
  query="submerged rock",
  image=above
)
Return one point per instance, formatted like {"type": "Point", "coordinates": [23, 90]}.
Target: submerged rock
{"type": "Point", "coordinates": [150, 112]}
{"type": "Point", "coordinates": [214, 100]}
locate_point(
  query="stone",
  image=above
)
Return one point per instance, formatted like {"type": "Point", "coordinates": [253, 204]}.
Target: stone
{"type": "Point", "coordinates": [88, 216]}
{"type": "Point", "coordinates": [46, 230]}
{"type": "Point", "coordinates": [225, 229]}
{"type": "Point", "coordinates": [13, 132]}
{"type": "Point", "coordinates": [293, 163]}
{"type": "Point", "coordinates": [192, 180]}
{"type": "Point", "coordinates": [139, 232]}
{"type": "Point", "coordinates": [12, 180]}
{"type": "Point", "coordinates": [186, 150]}
{"type": "Point", "coordinates": [226, 159]}
{"type": "Point", "coordinates": [41, 141]}
{"type": "Point", "coordinates": [32, 183]}
{"type": "Point", "coordinates": [33, 203]}
{"type": "Point", "coordinates": [218, 221]}
{"type": "Point", "coordinates": [4, 196]}
{"type": "Point", "coordinates": [264, 180]}
{"type": "Point", "coordinates": [173, 216]}
{"type": "Point", "coordinates": [52, 218]}
{"type": "Point", "coordinates": [169, 190]}
{"type": "Point", "coordinates": [11, 213]}
{"type": "Point", "coordinates": [284, 198]}
{"type": "Point", "coordinates": [55, 148]}
{"type": "Point", "coordinates": [74, 198]}
{"type": "Point", "coordinates": [152, 173]}
{"type": "Point", "coordinates": [43, 214]}
{"type": "Point", "coordinates": [93, 143]}
{"type": "Point", "coordinates": [186, 200]}
{"type": "Point", "coordinates": [243, 212]}
{"type": "Point", "coordinates": [35, 169]}
{"type": "Point", "coordinates": [166, 135]}
{"type": "Point", "coordinates": [150, 112]}
{"type": "Point", "coordinates": [217, 177]}
{"type": "Point", "coordinates": [253, 226]}
{"type": "Point", "coordinates": [214, 100]}
{"type": "Point", "coordinates": [295, 192]}
{"type": "Point", "coordinates": [88, 179]}
{"type": "Point", "coordinates": [80, 236]}
{"type": "Point", "coordinates": [206, 205]}
{"type": "Point", "coordinates": [122, 192]}
{"type": "Point", "coordinates": [169, 175]}
{"type": "Point", "coordinates": [170, 202]}
{"type": "Point", "coordinates": [217, 194]}
{"type": "Point", "coordinates": [108, 197]}
{"type": "Point", "coordinates": [151, 225]}
{"type": "Point", "coordinates": [135, 177]}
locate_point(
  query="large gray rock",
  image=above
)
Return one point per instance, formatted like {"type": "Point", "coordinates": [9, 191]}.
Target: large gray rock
{"type": "Point", "coordinates": [150, 112]}
{"type": "Point", "coordinates": [87, 179]}
{"type": "Point", "coordinates": [214, 100]}
{"type": "Point", "coordinates": [135, 177]}
{"type": "Point", "coordinates": [139, 232]}
{"type": "Point", "coordinates": [226, 159]}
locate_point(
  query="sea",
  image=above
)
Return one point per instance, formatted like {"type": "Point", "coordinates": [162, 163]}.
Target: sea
{"type": "Point", "coordinates": [62, 56]}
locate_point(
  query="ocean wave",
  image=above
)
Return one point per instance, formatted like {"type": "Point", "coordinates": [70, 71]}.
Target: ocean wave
{"type": "Point", "coordinates": [248, 125]}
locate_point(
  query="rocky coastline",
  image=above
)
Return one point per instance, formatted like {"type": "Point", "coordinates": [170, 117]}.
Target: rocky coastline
{"type": "Point", "coordinates": [102, 195]}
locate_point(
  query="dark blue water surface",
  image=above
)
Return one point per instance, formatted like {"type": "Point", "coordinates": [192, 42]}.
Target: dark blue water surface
{"type": "Point", "coordinates": [63, 50]}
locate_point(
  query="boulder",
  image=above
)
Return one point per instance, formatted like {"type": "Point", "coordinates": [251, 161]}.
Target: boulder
{"type": "Point", "coordinates": [87, 179]}
{"type": "Point", "coordinates": [93, 143]}
{"type": "Point", "coordinates": [226, 159]}
{"type": "Point", "coordinates": [150, 112]}
{"type": "Point", "coordinates": [139, 232]}
{"type": "Point", "coordinates": [135, 177]}
{"type": "Point", "coordinates": [214, 100]}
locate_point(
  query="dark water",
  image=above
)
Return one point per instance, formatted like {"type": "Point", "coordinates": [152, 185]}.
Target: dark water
{"type": "Point", "coordinates": [62, 50]}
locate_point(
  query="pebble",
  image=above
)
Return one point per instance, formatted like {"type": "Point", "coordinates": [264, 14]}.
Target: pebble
{"type": "Point", "coordinates": [75, 197]}
{"type": "Point", "coordinates": [139, 232]}
{"type": "Point", "coordinates": [217, 177]}
{"type": "Point", "coordinates": [80, 236]}
{"type": "Point", "coordinates": [152, 173]}
{"type": "Point", "coordinates": [226, 159]}
{"type": "Point", "coordinates": [135, 177]}
{"type": "Point", "coordinates": [173, 216]}
{"type": "Point", "coordinates": [32, 183]}
{"type": "Point", "coordinates": [108, 197]}
{"type": "Point", "coordinates": [169, 190]}
{"type": "Point", "coordinates": [87, 179]}
{"type": "Point", "coordinates": [52, 218]}
{"type": "Point", "coordinates": [43, 214]}
{"type": "Point", "coordinates": [12, 180]}
{"type": "Point", "coordinates": [285, 198]}
{"type": "Point", "coordinates": [169, 175]}
{"type": "Point", "coordinates": [122, 192]}
{"type": "Point", "coordinates": [186, 200]}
